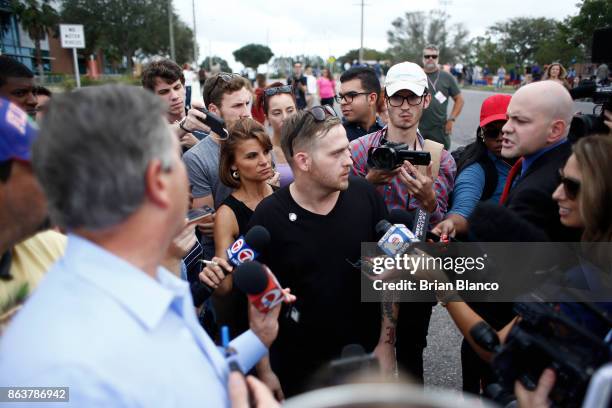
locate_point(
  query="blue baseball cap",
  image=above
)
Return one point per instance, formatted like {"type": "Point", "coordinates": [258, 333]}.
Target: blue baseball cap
{"type": "Point", "coordinates": [17, 132]}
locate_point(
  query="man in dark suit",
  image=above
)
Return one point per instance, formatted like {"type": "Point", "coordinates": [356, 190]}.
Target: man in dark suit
{"type": "Point", "coordinates": [539, 117]}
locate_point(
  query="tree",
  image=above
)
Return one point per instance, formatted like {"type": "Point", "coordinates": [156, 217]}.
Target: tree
{"type": "Point", "coordinates": [125, 29]}
{"type": "Point", "coordinates": [486, 52]}
{"type": "Point", "coordinates": [415, 30]}
{"type": "Point", "coordinates": [253, 55]}
{"type": "Point", "coordinates": [369, 54]}
{"type": "Point", "coordinates": [593, 14]}
{"type": "Point", "coordinates": [37, 18]}
{"type": "Point", "coordinates": [522, 37]}
{"type": "Point", "coordinates": [206, 64]}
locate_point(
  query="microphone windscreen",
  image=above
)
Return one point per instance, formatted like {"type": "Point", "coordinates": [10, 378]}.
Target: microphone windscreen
{"type": "Point", "coordinates": [584, 90]}
{"type": "Point", "coordinates": [251, 278]}
{"type": "Point", "coordinates": [257, 238]}
{"type": "Point", "coordinates": [398, 216]}
{"type": "Point", "coordinates": [493, 223]}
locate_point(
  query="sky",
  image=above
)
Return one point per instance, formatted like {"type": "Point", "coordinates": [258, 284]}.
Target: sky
{"type": "Point", "coordinates": [332, 27]}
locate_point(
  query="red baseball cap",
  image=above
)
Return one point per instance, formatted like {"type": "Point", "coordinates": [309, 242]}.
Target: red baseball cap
{"type": "Point", "coordinates": [494, 108]}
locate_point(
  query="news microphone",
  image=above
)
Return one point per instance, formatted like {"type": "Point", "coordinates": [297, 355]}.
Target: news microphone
{"type": "Point", "coordinates": [244, 249]}
{"type": "Point", "coordinates": [249, 247]}
{"type": "Point", "coordinates": [260, 285]}
{"type": "Point", "coordinates": [396, 238]}
{"type": "Point", "coordinates": [584, 90]}
{"type": "Point", "coordinates": [419, 220]}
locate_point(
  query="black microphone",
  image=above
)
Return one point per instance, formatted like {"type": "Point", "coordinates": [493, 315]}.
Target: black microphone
{"type": "Point", "coordinates": [244, 249]}
{"type": "Point", "coordinates": [585, 90]}
{"type": "Point", "coordinates": [493, 223]}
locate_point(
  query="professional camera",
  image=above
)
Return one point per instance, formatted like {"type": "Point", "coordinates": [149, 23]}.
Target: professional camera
{"type": "Point", "coordinates": [548, 335]}
{"type": "Point", "coordinates": [601, 94]}
{"type": "Point", "coordinates": [390, 156]}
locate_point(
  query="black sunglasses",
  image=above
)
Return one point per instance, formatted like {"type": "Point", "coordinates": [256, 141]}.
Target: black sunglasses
{"type": "Point", "coordinates": [432, 56]}
{"type": "Point", "coordinates": [570, 185]}
{"type": "Point", "coordinates": [225, 77]}
{"type": "Point", "coordinates": [318, 113]}
{"type": "Point", "coordinates": [278, 90]}
{"type": "Point", "coordinates": [490, 132]}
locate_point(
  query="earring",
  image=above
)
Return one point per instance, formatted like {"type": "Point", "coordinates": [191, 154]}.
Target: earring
{"type": "Point", "coordinates": [235, 175]}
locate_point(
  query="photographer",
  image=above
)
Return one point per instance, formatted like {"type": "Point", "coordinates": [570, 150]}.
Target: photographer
{"type": "Point", "coordinates": [408, 188]}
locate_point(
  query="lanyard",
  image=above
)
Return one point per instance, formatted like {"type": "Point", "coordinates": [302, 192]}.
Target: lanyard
{"type": "Point", "coordinates": [433, 84]}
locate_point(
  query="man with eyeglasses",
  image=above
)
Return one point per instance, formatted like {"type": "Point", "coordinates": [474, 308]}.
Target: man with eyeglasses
{"type": "Point", "coordinates": [229, 97]}
{"type": "Point", "coordinates": [407, 188]}
{"type": "Point", "coordinates": [317, 225]}
{"type": "Point", "coordinates": [435, 125]}
{"type": "Point", "coordinates": [359, 93]}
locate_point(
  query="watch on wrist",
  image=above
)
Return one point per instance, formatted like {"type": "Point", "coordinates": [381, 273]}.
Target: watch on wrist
{"type": "Point", "coordinates": [182, 123]}
{"type": "Point", "coordinates": [452, 119]}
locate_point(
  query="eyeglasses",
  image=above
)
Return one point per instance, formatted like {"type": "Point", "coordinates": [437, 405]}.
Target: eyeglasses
{"type": "Point", "coordinates": [570, 185]}
{"type": "Point", "coordinates": [225, 77]}
{"type": "Point", "coordinates": [398, 100]}
{"type": "Point", "coordinates": [490, 132]}
{"type": "Point", "coordinates": [318, 113]}
{"type": "Point", "coordinates": [278, 90]}
{"type": "Point", "coordinates": [349, 96]}
{"type": "Point", "coordinates": [430, 56]}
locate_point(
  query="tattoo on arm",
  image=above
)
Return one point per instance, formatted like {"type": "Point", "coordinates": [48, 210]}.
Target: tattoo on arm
{"type": "Point", "coordinates": [387, 311]}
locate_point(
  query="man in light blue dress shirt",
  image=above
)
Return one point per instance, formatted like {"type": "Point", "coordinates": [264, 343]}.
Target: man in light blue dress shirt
{"type": "Point", "coordinates": [107, 321]}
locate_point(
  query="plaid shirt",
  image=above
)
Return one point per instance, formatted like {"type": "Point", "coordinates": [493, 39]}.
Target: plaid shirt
{"type": "Point", "coordinates": [395, 193]}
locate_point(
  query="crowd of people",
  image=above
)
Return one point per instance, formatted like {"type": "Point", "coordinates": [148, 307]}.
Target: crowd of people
{"type": "Point", "coordinates": [108, 289]}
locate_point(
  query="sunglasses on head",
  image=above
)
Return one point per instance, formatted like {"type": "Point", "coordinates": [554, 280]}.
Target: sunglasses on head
{"type": "Point", "coordinates": [318, 113]}
{"type": "Point", "coordinates": [223, 76]}
{"type": "Point", "coordinates": [570, 185]}
{"type": "Point", "coordinates": [278, 90]}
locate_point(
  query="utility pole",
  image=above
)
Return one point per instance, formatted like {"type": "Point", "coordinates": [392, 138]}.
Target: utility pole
{"type": "Point", "coordinates": [171, 29]}
{"type": "Point", "coordinates": [195, 37]}
{"type": "Point", "coordinates": [361, 46]}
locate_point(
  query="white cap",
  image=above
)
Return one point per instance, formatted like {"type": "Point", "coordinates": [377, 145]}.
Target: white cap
{"type": "Point", "coordinates": [406, 75]}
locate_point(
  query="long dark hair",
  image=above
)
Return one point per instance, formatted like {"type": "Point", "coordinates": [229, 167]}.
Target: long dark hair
{"type": "Point", "coordinates": [477, 152]}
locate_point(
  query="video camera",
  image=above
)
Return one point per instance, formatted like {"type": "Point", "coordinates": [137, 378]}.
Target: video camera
{"type": "Point", "coordinates": [390, 156]}
{"type": "Point", "coordinates": [547, 335]}
{"type": "Point", "coordinates": [601, 94]}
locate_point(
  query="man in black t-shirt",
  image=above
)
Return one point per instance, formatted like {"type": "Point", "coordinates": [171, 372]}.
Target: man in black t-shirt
{"type": "Point", "coordinates": [299, 83]}
{"type": "Point", "coordinates": [317, 224]}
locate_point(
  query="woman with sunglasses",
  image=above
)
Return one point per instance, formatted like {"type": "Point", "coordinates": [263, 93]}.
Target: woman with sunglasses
{"type": "Point", "coordinates": [327, 87]}
{"type": "Point", "coordinates": [481, 171]}
{"type": "Point", "coordinates": [278, 103]}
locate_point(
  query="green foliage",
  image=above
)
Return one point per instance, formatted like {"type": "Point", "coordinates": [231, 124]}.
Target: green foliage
{"type": "Point", "coordinates": [369, 54]}
{"type": "Point", "coordinates": [521, 38]}
{"type": "Point", "coordinates": [37, 18]}
{"type": "Point", "coordinates": [593, 14]}
{"type": "Point", "coordinates": [411, 33]}
{"type": "Point", "coordinates": [253, 55]}
{"type": "Point", "coordinates": [129, 28]}
{"type": "Point", "coordinates": [206, 64]}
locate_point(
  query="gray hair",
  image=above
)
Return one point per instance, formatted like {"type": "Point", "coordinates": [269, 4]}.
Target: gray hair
{"type": "Point", "coordinates": [93, 150]}
{"type": "Point", "coordinates": [431, 47]}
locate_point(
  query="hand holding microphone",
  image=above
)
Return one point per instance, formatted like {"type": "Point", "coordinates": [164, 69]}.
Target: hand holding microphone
{"type": "Point", "coordinates": [265, 297]}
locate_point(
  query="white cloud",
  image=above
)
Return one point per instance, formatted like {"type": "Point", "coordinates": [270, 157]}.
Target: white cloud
{"type": "Point", "coordinates": [332, 27]}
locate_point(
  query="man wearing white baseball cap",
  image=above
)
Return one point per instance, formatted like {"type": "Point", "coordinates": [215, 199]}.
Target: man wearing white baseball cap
{"type": "Point", "coordinates": [407, 187]}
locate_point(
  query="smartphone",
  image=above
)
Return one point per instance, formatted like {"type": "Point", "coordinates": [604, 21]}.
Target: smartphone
{"type": "Point", "coordinates": [199, 214]}
{"type": "Point", "coordinates": [215, 123]}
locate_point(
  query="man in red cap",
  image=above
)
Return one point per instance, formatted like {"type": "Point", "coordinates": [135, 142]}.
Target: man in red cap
{"type": "Point", "coordinates": [481, 169]}
{"type": "Point", "coordinates": [25, 252]}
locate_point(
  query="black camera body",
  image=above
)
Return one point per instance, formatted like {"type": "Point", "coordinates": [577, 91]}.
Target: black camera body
{"type": "Point", "coordinates": [600, 94]}
{"type": "Point", "coordinates": [545, 337]}
{"type": "Point", "coordinates": [390, 156]}
{"type": "Point", "coordinates": [584, 125]}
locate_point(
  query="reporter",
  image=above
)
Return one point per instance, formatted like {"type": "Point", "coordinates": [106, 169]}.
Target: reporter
{"type": "Point", "coordinates": [481, 169]}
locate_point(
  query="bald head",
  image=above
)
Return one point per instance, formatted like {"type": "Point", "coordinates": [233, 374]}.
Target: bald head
{"type": "Point", "coordinates": [548, 98]}
{"type": "Point", "coordinates": [539, 115]}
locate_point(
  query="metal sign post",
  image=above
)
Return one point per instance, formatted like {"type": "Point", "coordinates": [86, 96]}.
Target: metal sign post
{"type": "Point", "coordinates": [73, 36]}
